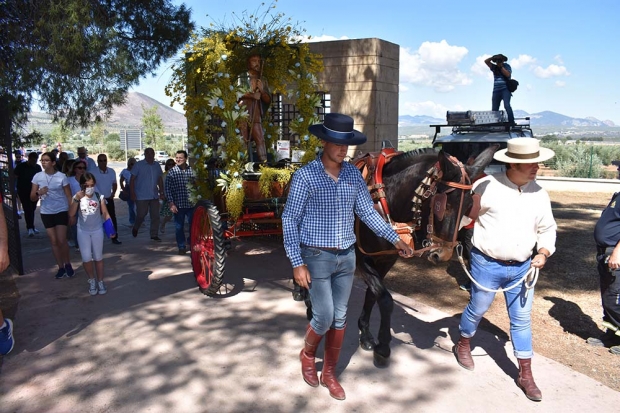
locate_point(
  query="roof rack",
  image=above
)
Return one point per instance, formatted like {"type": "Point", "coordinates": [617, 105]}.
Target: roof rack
{"type": "Point", "coordinates": [479, 121]}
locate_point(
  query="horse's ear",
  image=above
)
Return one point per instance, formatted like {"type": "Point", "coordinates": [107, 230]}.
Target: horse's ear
{"type": "Point", "coordinates": [450, 170]}
{"type": "Point", "coordinates": [481, 162]}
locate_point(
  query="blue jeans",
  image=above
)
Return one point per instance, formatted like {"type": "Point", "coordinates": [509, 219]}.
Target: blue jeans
{"type": "Point", "coordinates": [494, 275]}
{"type": "Point", "coordinates": [131, 206]}
{"type": "Point", "coordinates": [505, 95]}
{"type": "Point", "coordinates": [179, 224]}
{"type": "Point", "coordinates": [331, 276]}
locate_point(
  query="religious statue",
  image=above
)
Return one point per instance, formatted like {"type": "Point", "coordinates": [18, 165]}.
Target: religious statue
{"type": "Point", "coordinates": [256, 101]}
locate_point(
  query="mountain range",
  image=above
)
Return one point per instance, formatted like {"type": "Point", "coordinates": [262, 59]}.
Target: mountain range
{"type": "Point", "coordinates": [129, 116]}
{"type": "Point", "coordinates": [545, 118]}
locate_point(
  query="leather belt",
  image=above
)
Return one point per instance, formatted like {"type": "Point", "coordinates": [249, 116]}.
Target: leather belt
{"type": "Point", "coordinates": [329, 249]}
{"type": "Point", "coordinates": [505, 262]}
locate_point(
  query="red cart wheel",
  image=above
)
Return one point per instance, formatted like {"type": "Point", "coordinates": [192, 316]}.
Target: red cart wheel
{"type": "Point", "coordinates": [208, 248]}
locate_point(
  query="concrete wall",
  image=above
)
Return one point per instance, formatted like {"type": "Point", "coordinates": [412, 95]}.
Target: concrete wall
{"type": "Point", "coordinates": [361, 76]}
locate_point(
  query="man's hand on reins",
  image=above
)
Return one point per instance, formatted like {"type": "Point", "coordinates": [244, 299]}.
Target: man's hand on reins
{"type": "Point", "coordinates": [404, 250]}
{"type": "Point", "coordinates": [302, 276]}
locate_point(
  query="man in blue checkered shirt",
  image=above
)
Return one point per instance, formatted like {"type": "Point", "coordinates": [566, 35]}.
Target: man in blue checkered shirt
{"type": "Point", "coordinates": [177, 195]}
{"type": "Point", "coordinates": [319, 239]}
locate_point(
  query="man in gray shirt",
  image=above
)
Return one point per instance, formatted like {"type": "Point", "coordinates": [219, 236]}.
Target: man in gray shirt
{"type": "Point", "coordinates": [147, 188]}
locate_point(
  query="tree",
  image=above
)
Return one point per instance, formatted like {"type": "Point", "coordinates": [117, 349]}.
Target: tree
{"type": "Point", "coordinates": [79, 57]}
{"type": "Point", "coordinates": [97, 134]}
{"type": "Point", "coordinates": [153, 128]}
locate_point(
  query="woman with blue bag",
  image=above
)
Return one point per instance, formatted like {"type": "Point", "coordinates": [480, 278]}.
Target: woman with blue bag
{"type": "Point", "coordinates": [91, 211]}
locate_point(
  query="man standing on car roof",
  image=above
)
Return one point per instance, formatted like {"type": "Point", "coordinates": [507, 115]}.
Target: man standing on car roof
{"type": "Point", "coordinates": [501, 71]}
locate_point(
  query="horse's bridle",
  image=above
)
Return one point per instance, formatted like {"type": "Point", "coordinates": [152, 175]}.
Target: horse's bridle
{"type": "Point", "coordinates": [428, 188]}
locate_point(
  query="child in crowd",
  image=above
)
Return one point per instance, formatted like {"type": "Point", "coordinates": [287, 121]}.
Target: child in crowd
{"type": "Point", "coordinates": [92, 213]}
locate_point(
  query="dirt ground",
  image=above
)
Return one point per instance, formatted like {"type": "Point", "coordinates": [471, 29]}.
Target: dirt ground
{"type": "Point", "coordinates": [567, 305]}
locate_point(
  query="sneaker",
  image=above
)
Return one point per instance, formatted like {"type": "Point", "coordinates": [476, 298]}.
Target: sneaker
{"type": "Point", "coordinates": [36, 231]}
{"type": "Point", "coordinates": [116, 241]}
{"type": "Point", "coordinates": [162, 228]}
{"type": "Point", "coordinates": [71, 243]}
{"type": "Point", "coordinates": [102, 289]}
{"type": "Point", "coordinates": [182, 251]}
{"type": "Point", "coordinates": [69, 269]}
{"type": "Point", "coordinates": [92, 286]}
{"type": "Point", "coordinates": [156, 239]}
{"type": "Point", "coordinates": [30, 233]}
{"type": "Point", "coordinates": [62, 273]}
{"type": "Point", "coordinates": [6, 337]}
{"type": "Point", "coordinates": [134, 232]}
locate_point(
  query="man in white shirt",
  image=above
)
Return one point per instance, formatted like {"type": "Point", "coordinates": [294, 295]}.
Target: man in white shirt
{"type": "Point", "coordinates": [515, 216]}
{"type": "Point", "coordinates": [147, 188]}
{"type": "Point", "coordinates": [106, 184]}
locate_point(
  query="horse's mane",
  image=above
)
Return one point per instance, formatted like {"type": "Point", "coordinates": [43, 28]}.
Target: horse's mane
{"type": "Point", "coordinates": [405, 159]}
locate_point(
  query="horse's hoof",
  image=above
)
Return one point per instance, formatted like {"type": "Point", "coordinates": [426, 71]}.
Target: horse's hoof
{"type": "Point", "coordinates": [380, 361]}
{"type": "Point", "coordinates": [367, 345]}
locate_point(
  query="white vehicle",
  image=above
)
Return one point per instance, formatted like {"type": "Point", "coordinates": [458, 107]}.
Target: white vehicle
{"type": "Point", "coordinates": [161, 157]}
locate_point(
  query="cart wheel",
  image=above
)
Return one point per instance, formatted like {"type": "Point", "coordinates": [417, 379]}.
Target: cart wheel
{"type": "Point", "coordinates": [208, 248]}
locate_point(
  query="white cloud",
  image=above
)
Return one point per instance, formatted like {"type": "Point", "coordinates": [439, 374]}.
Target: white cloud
{"type": "Point", "coordinates": [550, 71]}
{"type": "Point", "coordinates": [403, 88]}
{"type": "Point", "coordinates": [435, 65]}
{"type": "Point", "coordinates": [521, 61]}
{"type": "Point", "coordinates": [428, 108]}
{"type": "Point", "coordinates": [560, 83]}
{"type": "Point", "coordinates": [480, 68]}
{"type": "Point", "coordinates": [558, 59]}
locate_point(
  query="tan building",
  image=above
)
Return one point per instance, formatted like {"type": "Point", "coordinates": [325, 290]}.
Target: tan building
{"type": "Point", "coordinates": [361, 76]}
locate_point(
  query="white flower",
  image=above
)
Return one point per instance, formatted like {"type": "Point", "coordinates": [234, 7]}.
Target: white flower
{"type": "Point", "coordinates": [236, 174]}
{"type": "Point", "coordinates": [195, 127]}
{"type": "Point", "coordinates": [221, 140]}
{"type": "Point", "coordinates": [238, 186]}
{"type": "Point", "coordinates": [223, 124]}
{"type": "Point", "coordinates": [198, 144]}
{"type": "Point", "coordinates": [297, 64]}
{"type": "Point", "coordinates": [224, 57]}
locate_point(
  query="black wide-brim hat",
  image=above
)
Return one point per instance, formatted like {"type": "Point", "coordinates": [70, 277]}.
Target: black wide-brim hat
{"type": "Point", "coordinates": [338, 129]}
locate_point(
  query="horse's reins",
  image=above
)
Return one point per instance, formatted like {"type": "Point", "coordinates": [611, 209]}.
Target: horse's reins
{"type": "Point", "coordinates": [426, 189]}
{"type": "Point", "coordinates": [529, 279]}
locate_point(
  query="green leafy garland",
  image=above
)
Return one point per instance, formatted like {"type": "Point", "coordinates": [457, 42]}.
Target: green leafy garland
{"type": "Point", "coordinates": [206, 84]}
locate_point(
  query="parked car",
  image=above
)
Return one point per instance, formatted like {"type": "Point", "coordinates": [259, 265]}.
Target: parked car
{"type": "Point", "coordinates": [139, 157]}
{"type": "Point", "coordinates": [70, 154]}
{"type": "Point", "coordinates": [161, 157]}
{"type": "Point", "coordinates": [474, 131]}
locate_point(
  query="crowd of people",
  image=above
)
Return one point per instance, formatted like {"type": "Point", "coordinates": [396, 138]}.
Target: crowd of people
{"type": "Point", "coordinates": [76, 196]}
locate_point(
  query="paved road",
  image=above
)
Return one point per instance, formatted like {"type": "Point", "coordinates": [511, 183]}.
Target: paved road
{"type": "Point", "coordinates": [155, 344]}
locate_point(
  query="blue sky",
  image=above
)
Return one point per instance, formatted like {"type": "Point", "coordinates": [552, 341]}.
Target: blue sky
{"type": "Point", "coordinates": [563, 53]}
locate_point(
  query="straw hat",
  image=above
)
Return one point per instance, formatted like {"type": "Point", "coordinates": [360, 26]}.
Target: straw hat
{"type": "Point", "coordinates": [523, 150]}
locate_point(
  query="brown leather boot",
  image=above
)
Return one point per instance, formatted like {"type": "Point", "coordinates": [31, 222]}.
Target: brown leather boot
{"type": "Point", "coordinates": [462, 351]}
{"type": "Point", "coordinates": [333, 344]}
{"type": "Point", "coordinates": [308, 367]}
{"type": "Point", "coordinates": [526, 380]}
